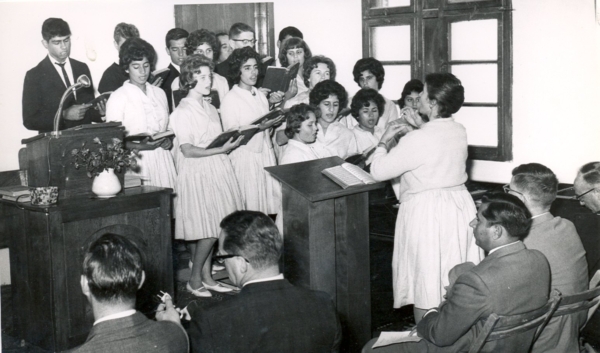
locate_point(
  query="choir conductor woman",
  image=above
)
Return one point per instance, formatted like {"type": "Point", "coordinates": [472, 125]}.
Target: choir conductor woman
{"type": "Point", "coordinates": [432, 229]}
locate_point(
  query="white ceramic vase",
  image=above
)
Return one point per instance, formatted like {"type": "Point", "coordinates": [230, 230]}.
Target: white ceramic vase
{"type": "Point", "coordinates": [106, 184]}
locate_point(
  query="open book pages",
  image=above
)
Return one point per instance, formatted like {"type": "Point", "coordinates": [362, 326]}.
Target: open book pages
{"type": "Point", "coordinates": [153, 138]}
{"type": "Point", "coordinates": [392, 337]}
{"type": "Point", "coordinates": [347, 174]}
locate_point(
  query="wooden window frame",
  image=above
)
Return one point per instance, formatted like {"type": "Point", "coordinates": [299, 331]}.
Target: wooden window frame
{"type": "Point", "coordinates": [432, 19]}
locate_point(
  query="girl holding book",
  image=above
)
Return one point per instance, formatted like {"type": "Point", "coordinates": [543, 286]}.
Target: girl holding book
{"type": "Point", "coordinates": [432, 231]}
{"type": "Point", "coordinates": [293, 51]}
{"type": "Point", "coordinates": [207, 185]}
{"type": "Point", "coordinates": [241, 106]}
{"type": "Point", "coordinates": [367, 107]}
{"type": "Point", "coordinates": [143, 108]}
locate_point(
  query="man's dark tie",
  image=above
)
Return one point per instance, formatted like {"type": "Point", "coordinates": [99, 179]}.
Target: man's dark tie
{"type": "Point", "coordinates": [62, 67]}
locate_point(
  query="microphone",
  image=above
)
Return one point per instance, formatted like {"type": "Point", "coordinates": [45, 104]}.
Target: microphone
{"type": "Point", "coordinates": [82, 81]}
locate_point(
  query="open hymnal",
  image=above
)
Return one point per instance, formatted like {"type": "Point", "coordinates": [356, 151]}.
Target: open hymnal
{"type": "Point", "coordinates": [347, 174]}
{"type": "Point", "coordinates": [279, 78]}
{"type": "Point", "coordinates": [152, 138]}
{"type": "Point", "coordinates": [248, 131]}
{"type": "Point", "coordinates": [162, 73]}
{"type": "Point", "coordinates": [104, 95]}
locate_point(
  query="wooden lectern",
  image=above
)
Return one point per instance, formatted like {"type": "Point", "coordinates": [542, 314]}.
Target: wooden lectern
{"type": "Point", "coordinates": [50, 162]}
{"type": "Point", "coordinates": [326, 242]}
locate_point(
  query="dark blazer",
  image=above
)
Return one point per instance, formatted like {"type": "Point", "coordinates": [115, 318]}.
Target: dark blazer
{"type": "Point", "coordinates": [134, 334]}
{"type": "Point", "coordinates": [511, 280]}
{"type": "Point", "coordinates": [42, 90]}
{"type": "Point", "coordinates": [166, 85]}
{"type": "Point", "coordinates": [112, 78]}
{"type": "Point", "coordinates": [272, 316]}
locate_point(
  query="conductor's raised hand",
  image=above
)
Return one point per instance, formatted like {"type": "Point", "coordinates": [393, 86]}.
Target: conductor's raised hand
{"type": "Point", "coordinates": [76, 112]}
{"type": "Point", "coordinates": [167, 312]}
{"type": "Point", "coordinates": [392, 130]}
{"type": "Point", "coordinates": [412, 117]}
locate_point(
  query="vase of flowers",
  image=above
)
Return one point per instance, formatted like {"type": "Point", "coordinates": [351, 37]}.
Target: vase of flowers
{"type": "Point", "coordinates": [102, 163]}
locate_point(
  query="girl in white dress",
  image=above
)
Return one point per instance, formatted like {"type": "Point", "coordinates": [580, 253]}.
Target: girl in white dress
{"type": "Point", "coordinates": [242, 105]}
{"type": "Point", "coordinates": [432, 230]}
{"type": "Point", "coordinates": [293, 51]}
{"type": "Point", "coordinates": [143, 108]}
{"type": "Point", "coordinates": [301, 128]}
{"type": "Point", "coordinates": [206, 182]}
{"type": "Point", "coordinates": [367, 107]}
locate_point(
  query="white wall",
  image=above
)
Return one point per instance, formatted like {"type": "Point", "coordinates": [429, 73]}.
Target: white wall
{"type": "Point", "coordinates": [556, 59]}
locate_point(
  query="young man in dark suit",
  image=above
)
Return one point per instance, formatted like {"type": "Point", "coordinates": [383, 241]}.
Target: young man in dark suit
{"type": "Point", "coordinates": [45, 84]}
{"type": "Point", "coordinates": [269, 314]}
{"type": "Point", "coordinates": [114, 76]}
{"type": "Point", "coordinates": [112, 275]}
{"type": "Point", "coordinates": [175, 41]}
{"type": "Point", "coordinates": [510, 280]}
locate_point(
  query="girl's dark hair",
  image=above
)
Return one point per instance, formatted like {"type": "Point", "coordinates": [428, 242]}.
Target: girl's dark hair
{"type": "Point", "coordinates": [294, 118]}
{"type": "Point", "coordinates": [200, 37]}
{"type": "Point", "coordinates": [136, 49]}
{"type": "Point", "coordinates": [326, 88]}
{"type": "Point", "coordinates": [293, 43]}
{"type": "Point", "coordinates": [363, 97]}
{"type": "Point", "coordinates": [372, 65]}
{"type": "Point", "coordinates": [447, 91]}
{"type": "Point", "coordinates": [238, 58]}
{"type": "Point", "coordinates": [192, 64]}
{"type": "Point", "coordinates": [411, 86]}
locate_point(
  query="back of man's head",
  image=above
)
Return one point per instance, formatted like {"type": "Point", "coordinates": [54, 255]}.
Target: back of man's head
{"type": "Point", "coordinates": [254, 236]}
{"type": "Point", "coordinates": [239, 28]}
{"type": "Point", "coordinates": [538, 181]}
{"type": "Point", "coordinates": [507, 211]}
{"type": "Point", "coordinates": [290, 32]}
{"type": "Point", "coordinates": [113, 267]}
{"type": "Point", "coordinates": [125, 31]}
{"type": "Point", "coordinates": [55, 27]}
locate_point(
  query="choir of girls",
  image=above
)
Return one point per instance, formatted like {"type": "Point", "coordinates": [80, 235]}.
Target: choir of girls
{"type": "Point", "coordinates": [417, 145]}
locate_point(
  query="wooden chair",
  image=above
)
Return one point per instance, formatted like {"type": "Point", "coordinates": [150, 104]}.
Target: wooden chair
{"type": "Point", "coordinates": [497, 326]}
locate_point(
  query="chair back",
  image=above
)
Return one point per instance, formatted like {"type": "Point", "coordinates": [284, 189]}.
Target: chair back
{"type": "Point", "coordinates": [584, 301]}
{"type": "Point", "coordinates": [498, 326]}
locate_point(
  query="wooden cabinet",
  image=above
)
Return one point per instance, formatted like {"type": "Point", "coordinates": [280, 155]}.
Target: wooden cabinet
{"type": "Point", "coordinates": [46, 254]}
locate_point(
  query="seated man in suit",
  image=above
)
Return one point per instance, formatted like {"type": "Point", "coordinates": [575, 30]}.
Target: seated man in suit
{"type": "Point", "coordinates": [112, 274]}
{"type": "Point", "coordinates": [536, 185]}
{"type": "Point", "coordinates": [587, 192]}
{"type": "Point", "coordinates": [114, 76]}
{"type": "Point", "coordinates": [45, 84]}
{"type": "Point", "coordinates": [510, 280]}
{"type": "Point", "coordinates": [269, 314]}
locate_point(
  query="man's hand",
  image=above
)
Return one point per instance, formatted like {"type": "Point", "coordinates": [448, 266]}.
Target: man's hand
{"type": "Point", "coordinates": [167, 312]}
{"type": "Point", "coordinates": [76, 112]}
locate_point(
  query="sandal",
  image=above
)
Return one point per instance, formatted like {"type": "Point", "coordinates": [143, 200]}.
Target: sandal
{"type": "Point", "coordinates": [200, 292]}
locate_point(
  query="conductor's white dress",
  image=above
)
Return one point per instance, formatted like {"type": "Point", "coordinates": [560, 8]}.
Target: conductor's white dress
{"type": "Point", "coordinates": [260, 190]}
{"type": "Point", "coordinates": [208, 188]}
{"type": "Point", "coordinates": [139, 112]}
{"type": "Point", "coordinates": [432, 229]}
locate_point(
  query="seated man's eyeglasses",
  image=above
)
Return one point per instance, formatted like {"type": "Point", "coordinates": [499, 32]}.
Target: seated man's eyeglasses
{"type": "Point", "coordinates": [577, 197]}
{"type": "Point", "coordinates": [508, 190]}
{"type": "Point", "coordinates": [221, 258]}
{"type": "Point", "coordinates": [245, 41]}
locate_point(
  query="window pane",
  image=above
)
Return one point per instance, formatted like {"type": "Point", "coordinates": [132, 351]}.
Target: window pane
{"type": "Point", "coordinates": [396, 77]}
{"type": "Point", "coordinates": [481, 124]}
{"type": "Point", "coordinates": [388, 3]}
{"type": "Point", "coordinates": [474, 40]}
{"type": "Point", "coordinates": [391, 43]}
{"type": "Point", "coordinates": [480, 82]}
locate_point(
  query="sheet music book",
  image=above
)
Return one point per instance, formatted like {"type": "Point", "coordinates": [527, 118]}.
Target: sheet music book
{"type": "Point", "coordinates": [347, 174]}
{"type": "Point", "coordinates": [279, 78]}
{"type": "Point", "coordinates": [247, 131]}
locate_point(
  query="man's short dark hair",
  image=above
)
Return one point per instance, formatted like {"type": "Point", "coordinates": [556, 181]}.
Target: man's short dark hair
{"type": "Point", "coordinates": [508, 211]}
{"type": "Point", "coordinates": [290, 31]}
{"type": "Point", "coordinates": [125, 31]}
{"type": "Point", "coordinates": [237, 59]}
{"type": "Point", "coordinates": [113, 267]}
{"type": "Point", "coordinates": [372, 65]}
{"type": "Point", "coordinates": [254, 236]}
{"type": "Point", "coordinates": [538, 181]}
{"type": "Point", "coordinates": [175, 34]}
{"type": "Point", "coordinates": [202, 36]}
{"type": "Point", "coordinates": [135, 49]}
{"type": "Point", "coordinates": [363, 97]}
{"type": "Point", "coordinates": [55, 27]}
{"type": "Point", "coordinates": [312, 63]}
{"type": "Point", "coordinates": [324, 89]}
{"type": "Point", "coordinates": [295, 117]}
{"type": "Point", "coordinates": [239, 28]}
{"type": "Point", "coordinates": [590, 173]}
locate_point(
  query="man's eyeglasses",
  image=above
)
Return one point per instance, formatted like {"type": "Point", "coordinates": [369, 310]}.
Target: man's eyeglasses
{"type": "Point", "coordinates": [221, 258]}
{"type": "Point", "coordinates": [245, 41]}
{"type": "Point", "coordinates": [508, 190]}
{"type": "Point", "coordinates": [577, 197]}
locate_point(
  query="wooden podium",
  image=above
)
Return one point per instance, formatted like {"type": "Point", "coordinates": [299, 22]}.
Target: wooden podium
{"type": "Point", "coordinates": [326, 242]}
{"type": "Point", "coordinates": [50, 162]}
